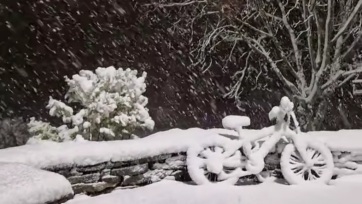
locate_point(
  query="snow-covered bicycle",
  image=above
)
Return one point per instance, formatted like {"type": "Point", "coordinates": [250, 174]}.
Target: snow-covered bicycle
{"type": "Point", "coordinates": [302, 160]}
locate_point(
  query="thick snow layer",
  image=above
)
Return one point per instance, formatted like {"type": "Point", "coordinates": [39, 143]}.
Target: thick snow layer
{"type": "Point", "coordinates": [166, 192]}
{"type": "Point", "coordinates": [342, 140]}
{"type": "Point", "coordinates": [48, 154]}
{"type": "Point", "coordinates": [21, 184]}
{"type": "Point", "coordinates": [233, 122]}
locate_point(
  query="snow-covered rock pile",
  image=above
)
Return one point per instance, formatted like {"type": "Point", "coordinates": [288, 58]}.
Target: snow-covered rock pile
{"type": "Point", "coordinates": [21, 184]}
{"type": "Point", "coordinates": [347, 162]}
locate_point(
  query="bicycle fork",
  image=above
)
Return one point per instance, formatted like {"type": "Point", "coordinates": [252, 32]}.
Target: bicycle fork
{"type": "Point", "coordinates": [300, 145]}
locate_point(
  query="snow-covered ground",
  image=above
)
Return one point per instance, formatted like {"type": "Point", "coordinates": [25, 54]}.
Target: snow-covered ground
{"type": "Point", "coordinates": [29, 185]}
{"type": "Point", "coordinates": [346, 190]}
{"type": "Point", "coordinates": [48, 154]}
{"type": "Point", "coordinates": [21, 184]}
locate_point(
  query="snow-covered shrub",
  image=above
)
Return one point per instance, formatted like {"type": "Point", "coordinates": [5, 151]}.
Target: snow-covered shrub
{"type": "Point", "coordinates": [13, 132]}
{"type": "Point", "coordinates": [111, 106]}
{"type": "Point", "coordinates": [43, 131]}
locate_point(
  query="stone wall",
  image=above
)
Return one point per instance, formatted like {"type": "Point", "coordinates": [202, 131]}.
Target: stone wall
{"type": "Point", "coordinates": [104, 177]}
{"type": "Point", "coordinates": [347, 162]}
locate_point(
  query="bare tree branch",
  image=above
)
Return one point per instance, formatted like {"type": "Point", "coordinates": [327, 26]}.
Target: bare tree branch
{"type": "Point", "coordinates": [234, 91]}
{"type": "Point", "coordinates": [308, 26]}
{"type": "Point", "coordinates": [259, 48]}
{"type": "Point", "coordinates": [346, 80]}
{"type": "Point", "coordinates": [352, 46]}
{"type": "Point", "coordinates": [255, 29]}
{"type": "Point", "coordinates": [349, 20]}
{"type": "Point", "coordinates": [325, 53]}
{"type": "Point", "coordinates": [172, 4]}
{"type": "Point", "coordinates": [293, 39]}
{"type": "Point", "coordinates": [319, 33]}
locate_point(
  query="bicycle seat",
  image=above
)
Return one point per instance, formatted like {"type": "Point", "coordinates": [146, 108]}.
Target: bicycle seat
{"type": "Point", "coordinates": [234, 122]}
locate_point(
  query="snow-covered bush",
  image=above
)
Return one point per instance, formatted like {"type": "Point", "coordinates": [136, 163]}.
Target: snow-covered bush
{"type": "Point", "coordinates": [43, 131]}
{"type": "Point", "coordinates": [109, 102]}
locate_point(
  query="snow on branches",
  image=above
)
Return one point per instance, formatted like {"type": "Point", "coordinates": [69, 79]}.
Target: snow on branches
{"type": "Point", "coordinates": [307, 47]}
{"type": "Point", "coordinates": [109, 105]}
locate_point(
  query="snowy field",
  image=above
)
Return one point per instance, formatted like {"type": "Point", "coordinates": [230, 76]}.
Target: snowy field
{"type": "Point", "coordinates": [346, 190]}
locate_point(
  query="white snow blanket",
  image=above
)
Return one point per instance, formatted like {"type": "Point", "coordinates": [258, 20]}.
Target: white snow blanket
{"type": "Point", "coordinates": [166, 192]}
{"type": "Point", "coordinates": [50, 154]}
{"type": "Point", "coordinates": [21, 184]}
{"type": "Point", "coordinates": [342, 140]}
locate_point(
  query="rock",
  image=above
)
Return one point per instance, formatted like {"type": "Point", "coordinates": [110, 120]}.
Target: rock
{"type": "Point", "coordinates": [111, 179]}
{"type": "Point", "coordinates": [158, 158]}
{"type": "Point", "coordinates": [65, 172]}
{"type": "Point", "coordinates": [88, 178]}
{"type": "Point", "coordinates": [59, 169]}
{"type": "Point", "coordinates": [157, 175]}
{"type": "Point", "coordinates": [130, 171]}
{"type": "Point", "coordinates": [272, 161]}
{"type": "Point", "coordinates": [125, 187]}
{"type": "Point", "coordinates": [74, 172]}
{"type": "Point", "coordinates": [181, 175]}
{"type": "Point", "coordinates": [248, 180]}
{"type": "Point", "coordinates": [120, 164]}
{"type": "Point", "coordinates": [175, 165]}
{"type": "Point", "coordinates": [171, 178]}
{"type": "Point", "coordinates": [61, 200]}
{"type": "Point", "coordinates": [172, 163]}
{"type": "Point", "coordinates": [146, 178]}
{"type": "Point", "coordinates": [135, 180]}
{"type": "Point", "coordinates": [91, 168]}
{"type": "Point", "coordinates": [178, 158]}
{"type": "Point", "coordinates": [105, 172]}
{"type": "Point", "coordinates": [92, 187]}
{"type": "Point", "coordinates": [109, 165]}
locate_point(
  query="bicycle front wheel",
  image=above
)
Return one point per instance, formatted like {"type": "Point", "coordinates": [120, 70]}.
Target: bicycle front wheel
{"type": "Point", "coordinates": [296, 171]}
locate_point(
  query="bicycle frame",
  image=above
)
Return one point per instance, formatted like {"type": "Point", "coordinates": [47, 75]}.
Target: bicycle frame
{"type": "Point", "coordinates": [255, 163]}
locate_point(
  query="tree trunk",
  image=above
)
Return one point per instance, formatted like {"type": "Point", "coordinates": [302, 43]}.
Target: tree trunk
{"type": "Point", "coordinates": [344, 118]}
{"type": "Point", "coordinates": [313, 114]}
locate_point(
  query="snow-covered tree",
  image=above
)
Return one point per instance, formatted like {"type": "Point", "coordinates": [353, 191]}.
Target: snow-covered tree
{"type": "Point", "coordinates": [308, 47]}
{"type": "Point", "coordinates": [108, 104]}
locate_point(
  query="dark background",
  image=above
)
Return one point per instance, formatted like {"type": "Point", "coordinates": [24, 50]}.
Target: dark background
{"type": "Point", "coordinates": [42, 41]}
